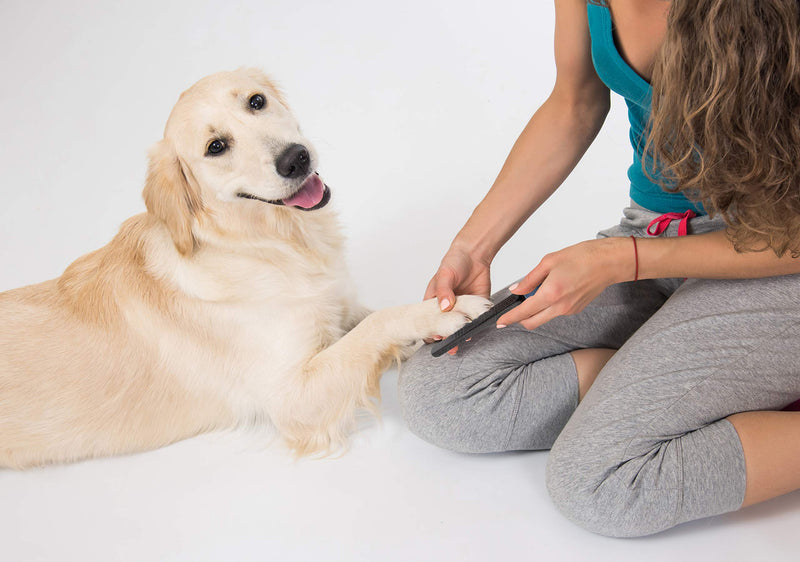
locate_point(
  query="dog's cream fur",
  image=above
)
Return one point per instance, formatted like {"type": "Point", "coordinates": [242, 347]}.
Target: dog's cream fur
{"type": "Point", "coordinates": [209, 311]}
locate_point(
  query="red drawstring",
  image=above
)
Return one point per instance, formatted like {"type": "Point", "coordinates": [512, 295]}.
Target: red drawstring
{"type": "Point", "coordinates": [661, 223]}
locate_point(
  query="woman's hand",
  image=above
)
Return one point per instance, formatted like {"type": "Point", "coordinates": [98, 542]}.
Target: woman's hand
{"type": "Point", "coordinates": [570, 279]}
{"type": "Point", "coordinates": [459, 274]}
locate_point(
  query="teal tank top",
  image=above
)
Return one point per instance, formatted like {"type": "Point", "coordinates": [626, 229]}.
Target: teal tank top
{"type": "Point", "coordinates": [622, 79]}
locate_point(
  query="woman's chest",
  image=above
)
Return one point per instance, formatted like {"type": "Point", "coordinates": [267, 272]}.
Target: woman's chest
{"type": "Point", "coordinates": [639, 29]}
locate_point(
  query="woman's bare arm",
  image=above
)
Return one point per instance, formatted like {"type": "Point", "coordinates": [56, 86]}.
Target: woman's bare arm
{"type": "Point", "coordinates": [545, 153]}
{"type": "Point", "coordinates": [573, 277]}
{"type": "Point", "coordinates": [709, 256]}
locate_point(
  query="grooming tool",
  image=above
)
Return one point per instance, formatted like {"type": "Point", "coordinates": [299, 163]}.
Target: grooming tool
{"type": "Point", "coordinates": [485, 320]}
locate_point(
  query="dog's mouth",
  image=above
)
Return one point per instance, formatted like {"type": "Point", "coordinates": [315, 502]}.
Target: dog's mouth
{"type": "Point", "coordinates": [312, 194]}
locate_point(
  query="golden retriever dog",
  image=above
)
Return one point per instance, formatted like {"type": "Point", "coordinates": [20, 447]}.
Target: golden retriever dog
{"type": "Point", "coordinates": [227, 303]}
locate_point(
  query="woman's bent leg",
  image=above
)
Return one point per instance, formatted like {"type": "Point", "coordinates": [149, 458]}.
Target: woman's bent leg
{"type": "Point", "coordinates": [650, 446]}
{"type": "Point", "coordinates": [514, 389]}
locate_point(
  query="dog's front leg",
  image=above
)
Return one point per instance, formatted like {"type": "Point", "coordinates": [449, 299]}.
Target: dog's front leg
{"type": "Point", "coordinates": [344, 377]}
{"type": "Point", "coordinates": [356, 313]}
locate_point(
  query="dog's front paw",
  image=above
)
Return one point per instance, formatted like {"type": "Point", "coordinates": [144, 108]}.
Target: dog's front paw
{"type": "Point", "coordinates": [467, 308]}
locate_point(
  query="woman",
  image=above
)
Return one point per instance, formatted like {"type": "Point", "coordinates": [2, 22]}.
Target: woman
{"type": "Point", "coordinates": [687, 313]}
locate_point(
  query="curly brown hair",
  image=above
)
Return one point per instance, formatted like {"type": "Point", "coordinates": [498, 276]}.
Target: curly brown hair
{"type": "Point", "coordinates": [725, 125]}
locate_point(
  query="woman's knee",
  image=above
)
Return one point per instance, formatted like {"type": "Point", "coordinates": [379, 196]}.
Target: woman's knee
{"type": "Point", "coordinates": [475, 404]}
{"type": "Point", "coordinates": [412, 385]}
{"type": "Point", "coordinates": [597, 491]}
{"type": "Point", "coordinates": [431, 401]}
{"type": "Point", "coordinates": [575, 495]}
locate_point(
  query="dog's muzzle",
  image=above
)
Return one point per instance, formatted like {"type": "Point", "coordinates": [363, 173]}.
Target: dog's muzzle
{"type": "Point", "coordinates": [312, 194]}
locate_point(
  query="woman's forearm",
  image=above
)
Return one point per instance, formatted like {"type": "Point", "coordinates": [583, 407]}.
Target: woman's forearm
{"type": "Point", "coordinates": [543, 156]}
{"type": "Point", "coordinates": [570, 278]}
{"type": "Point", "coordinates": [708, 256]}
{"type": "Point", "coordinates": [550, 145]}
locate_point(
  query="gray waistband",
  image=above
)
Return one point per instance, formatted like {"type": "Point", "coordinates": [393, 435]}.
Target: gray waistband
{"type": "Point", "coordinates": [636, 218]}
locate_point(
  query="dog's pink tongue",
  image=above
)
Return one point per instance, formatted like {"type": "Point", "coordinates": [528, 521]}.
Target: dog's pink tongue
{"type": "Point", "coordinates": [309, 195]}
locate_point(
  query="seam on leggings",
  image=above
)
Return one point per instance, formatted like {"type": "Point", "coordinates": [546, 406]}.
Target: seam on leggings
{"type": "Point", "coordinates": [515, 410]}
{"type": "Point", "coordinates": [455, 381]}
{"type": "Point", "coordinates": [678, 399]}
{"type": "Point", "coordinates": [741, 451]}
{"type": "Point", "coordinates": [681, 483]}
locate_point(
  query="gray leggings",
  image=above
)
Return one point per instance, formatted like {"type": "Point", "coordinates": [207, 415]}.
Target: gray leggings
{"type": "Point", "coordinates": [649, 447]}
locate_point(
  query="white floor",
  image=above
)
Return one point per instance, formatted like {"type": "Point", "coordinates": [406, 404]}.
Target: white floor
{"type": "Point", "coordinates": [413, 107]}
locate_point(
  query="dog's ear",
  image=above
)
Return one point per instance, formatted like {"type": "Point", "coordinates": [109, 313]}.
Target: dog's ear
{"type": "Point", "coordinates": [169, 195]}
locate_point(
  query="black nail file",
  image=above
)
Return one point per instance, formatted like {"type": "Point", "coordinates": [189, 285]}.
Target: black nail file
{"type": "Point", "coordinates": [485, 320]}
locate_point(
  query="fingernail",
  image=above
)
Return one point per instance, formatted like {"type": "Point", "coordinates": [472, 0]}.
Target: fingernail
{"type": "Point", "coordinates": [499, 326]}
{"type": "Point", "coordinates": [514, 286]}
{"type": "Point", "coordinates": [445, 304]}
{"type": "Point", "coordinates": [437, 338]}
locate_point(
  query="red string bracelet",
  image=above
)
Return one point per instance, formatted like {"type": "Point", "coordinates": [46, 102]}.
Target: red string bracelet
{"type": "Point", "coordinates": [636, 258]}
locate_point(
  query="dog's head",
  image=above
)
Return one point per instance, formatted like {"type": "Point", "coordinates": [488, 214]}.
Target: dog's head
{"type": "Point", "coordinates": [231, 152]}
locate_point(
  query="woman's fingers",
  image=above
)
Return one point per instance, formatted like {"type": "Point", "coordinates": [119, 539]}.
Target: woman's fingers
{"type": "Point", "coordinates": [441, 287]}
{"type": "Point", "coordinates": [531, 307]}
{"type": "Point", "coordinates": [530, 282]}
{"type": "Point", "coordinates": [567, 281]}
{"type": "Point", "coordinates": [533, 304]}
{"type": "Point", "coordinates": [445, 292]}
{"type": "Point", "coordinates": [539, 319]}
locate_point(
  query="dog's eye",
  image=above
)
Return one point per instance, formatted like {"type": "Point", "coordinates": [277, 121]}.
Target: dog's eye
{"type": "Point", "coordinates": [216, 147]}
{"type": "Point", "coordinates": [257, 101]}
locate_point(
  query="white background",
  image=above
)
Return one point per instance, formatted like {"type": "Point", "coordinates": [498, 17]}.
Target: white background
{"type": "Point", "coordinates": [412, 106]}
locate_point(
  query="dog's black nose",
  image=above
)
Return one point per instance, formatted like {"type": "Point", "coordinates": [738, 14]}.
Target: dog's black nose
{"type": "Point", "coordinates": [295, 162]}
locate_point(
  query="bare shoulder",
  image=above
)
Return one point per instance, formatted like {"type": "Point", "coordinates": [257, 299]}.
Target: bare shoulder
{"type": "Point", "coordinates": [571, 17]}
{"type": "Point", "coordinates": [576, 76]}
